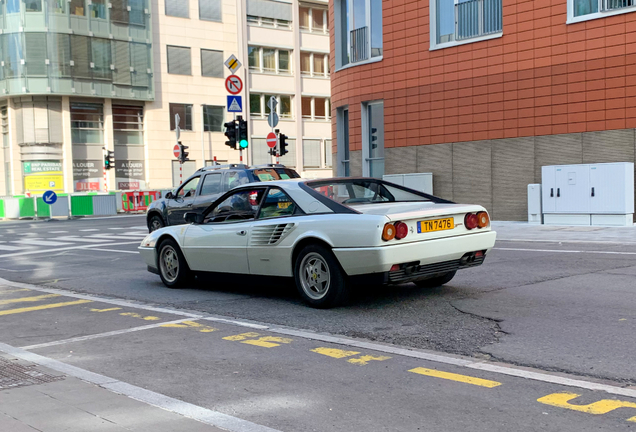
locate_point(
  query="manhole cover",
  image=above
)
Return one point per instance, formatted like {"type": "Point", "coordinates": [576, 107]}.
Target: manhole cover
{"type": "Point", "coordinates": [15, 374]}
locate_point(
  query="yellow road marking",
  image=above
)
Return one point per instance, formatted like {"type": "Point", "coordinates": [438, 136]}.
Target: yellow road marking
{"type": "Point", "coordinates": [191, 324]}
{"type": "Point", "coordinates": [105, 310]}
{"type": "Point", "coordinates": [455, 377]}
{"type": "Point", "coordinates": [28, 299]}
{"type": "Point", "coordinates": [242, 336]}
{"type": "Point", "coordinates": [335, 353]}
{"type": "Point", "coordinates": [47, 306]}
{"type": "Point", "coordinates": [13, 290]}
{"type": "Point", "coordinates": [136, 315]}
{"type": "Point", "coordinates": [264, 341]}
{"type": "Point", "coordinates": [363, 360]}
{"type": "Point", "coordinates": [604, 406]}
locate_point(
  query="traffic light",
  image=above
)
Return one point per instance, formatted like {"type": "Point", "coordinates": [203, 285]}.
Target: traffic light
{"type": "Point", "coordinates": [282, 141]}
{"type": "Point", "coordinates": [184, 154]}
{"type": "Point", "coordinates": [109, 159]}
{"type": "Point", "coordinates": [272, 151]}
{"type": "Point", "coordinates": [230, 133]}
{"type": "Point", "coordinates": [374, 138]}
{"type": "Point", "coordinates": [242, 133]}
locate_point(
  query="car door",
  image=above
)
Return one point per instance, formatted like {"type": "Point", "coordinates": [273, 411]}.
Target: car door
{"type": "Point", "coordinates": [210, 190]}
{"type": "Point", "coordinates": [182, 201]}
{"type": "Point", "coordinates": [219, 244]}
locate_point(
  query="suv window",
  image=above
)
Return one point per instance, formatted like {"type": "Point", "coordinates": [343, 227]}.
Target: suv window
{"type": "Point", "coordinates": [234, 179]}
{"type": "Point", "coordinates": [211, 184]}
{"type": "Point", "coordinates": [189, 189]}
{"type": "Point", "coordinates": [269, 174]}
{"type": "Point", "coordinates": [277, 203]}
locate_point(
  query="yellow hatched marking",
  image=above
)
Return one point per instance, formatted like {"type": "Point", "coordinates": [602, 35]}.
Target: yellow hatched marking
{"type": "Point", "coordinates": [28, 299]}
{"type": "Point", "coordinates": [335, 353]}
{"type": "Point", "coordinates": [191, 324]}
{"type": "Point", "coordinates": [41, 307]}
{"type": "Point", "coordinates": [105, 310]}
{"type": "Point", "coordinates": [268, 341]}
{"type": "Point", "coordinates": [604, 406]}
{"type": "Point", "coordinates": [136, 315]}
{"type": "Point", "coordinates": [456, 377]}
{"type": "Point", "coordinates": [363, 360]}
{"type": "Point", "coordinates": [13, 291]}
{"type": "Point", "coordinates": [242, 336]}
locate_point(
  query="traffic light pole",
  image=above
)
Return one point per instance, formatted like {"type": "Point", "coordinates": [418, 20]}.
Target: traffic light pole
{"type": "Point", "coordinates": [237, 134]}
{"type": "Point", "coordinates": [180, 172]}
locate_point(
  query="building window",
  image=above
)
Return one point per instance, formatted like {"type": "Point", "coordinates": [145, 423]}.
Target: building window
{"type": "Point", "coordinates": [342, 156]}
{"type": "Point", "coordinates": [76, 7]}
{"type": "Point", "coordinates": [185, 116]}
{"type": "Point", "coordinates": [179, 60]}
{"type": "Point", "coordinates": [211, 63]}
{"type": "Point", "coordinates": [316, 108]}
{"type": "Point", "coordinates": [178, 8]}
{"type": "Point", "coordinates": [373, 139]}
{"type": "Point", "coordinates": [328, 153]}
{"type": "Point", "coordinates": [591, 9]}
{"type": "Point", "coordinates": [98, 9]}
{"type": "Point", "coordinates": [270, 60]}
{"type": "Point", "coordinates": [269, 13]}
{"type": "Point", "coordinates": [314, 19]}
{"type": "Point", "coordinates": [259, 108]}
{"type": "Point", "coordinates": [358, 30]}
{"type": "Point", "coordinates": [213, 118]}
{"type": "Point", "coordinates": [314, 64]}
{"type": "Point", "coordinates": [101, 59]}
{"type": "Point", "coordinates": [311, 153]}
{"type": "Point", "coordinates": [33, 5]}
{"type": "Point", "coordinates": [210, 10]}
{"type": "Point", "coordinates": [87, 129]}
{"type": "Point", "coordinates": [454, 22]}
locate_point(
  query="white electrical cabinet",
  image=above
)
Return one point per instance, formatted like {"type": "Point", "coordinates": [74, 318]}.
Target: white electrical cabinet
{"type": "Point", "coordinates": [590, 194]}
{"type": "Point", "coordinates": [422, 182]}
{"type": "Point", "coordinates": [534, 203]}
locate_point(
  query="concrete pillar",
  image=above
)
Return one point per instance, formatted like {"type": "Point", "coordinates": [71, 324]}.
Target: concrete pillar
{"type": "Point", "coordinates": [109, 142]}
{"type": "Point", "coordinates": [67, 146]}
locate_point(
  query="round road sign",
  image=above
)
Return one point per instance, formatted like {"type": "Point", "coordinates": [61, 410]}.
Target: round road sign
{"type": "Point", "coordinates": [271, 140]}
{"type": "Point", "coordinates": [233, 84]}
{"type": "Point", "coordinates": [177, 151]}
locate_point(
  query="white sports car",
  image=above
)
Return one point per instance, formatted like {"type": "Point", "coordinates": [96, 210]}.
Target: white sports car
{"type": "Point", "coordinates": [326, 234]}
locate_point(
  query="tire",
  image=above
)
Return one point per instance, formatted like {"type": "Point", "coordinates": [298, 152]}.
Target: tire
{"type": "Point", "coordinates": [319, 278]}
{"type": "Point", "coordinates": [436, 281]}
{"type": "Point", "coordinates": [173, 268]}
{"type": "Point", "coordinates": [155, 222]}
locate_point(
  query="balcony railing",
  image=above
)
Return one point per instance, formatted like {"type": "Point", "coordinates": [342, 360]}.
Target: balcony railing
{"type": "Point", "coordinates": [480, 17]}
{"type": "Point", "coordinates": [618, 4]}
{"type": "Point", "coordinates": [359, 39]}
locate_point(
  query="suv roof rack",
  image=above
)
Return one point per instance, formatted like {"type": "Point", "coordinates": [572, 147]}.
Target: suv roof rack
{"type": "Point", "coordinates": [216, 167]}
{"type": "Point", "coordinates": [270, 165]}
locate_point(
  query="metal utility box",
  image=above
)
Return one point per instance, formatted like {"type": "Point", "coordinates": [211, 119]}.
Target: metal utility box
{"type": "Point", "coordinates": [590, 194]}
{"type": "Point", "coordinates": [534, 204]}
{"type": "Point", "coordinates": [422, 182]}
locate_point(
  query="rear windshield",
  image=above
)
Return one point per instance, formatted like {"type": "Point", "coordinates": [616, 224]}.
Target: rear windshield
{"type": "Point", "coordinates": [269, 174]}
{"type": "Point", "coordinates": [365, 191]}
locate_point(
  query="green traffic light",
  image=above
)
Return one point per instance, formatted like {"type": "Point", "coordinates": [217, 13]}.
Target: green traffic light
{"type": "Point", "coordinates": [243, 144]}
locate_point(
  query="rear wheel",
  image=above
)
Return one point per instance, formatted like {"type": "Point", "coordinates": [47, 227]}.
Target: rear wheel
{"type": "Point", "coordinates": [319, 278]}
{"type": "Point", "coordinates": [436, 281]}
{"type": "Point", "coordinates": [173, 269]}
{"type": "Point", "coordinates": [155, 223]}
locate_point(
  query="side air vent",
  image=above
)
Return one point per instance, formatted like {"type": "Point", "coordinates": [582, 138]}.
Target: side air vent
{"type": "Point", "coordinates": [268, 235]}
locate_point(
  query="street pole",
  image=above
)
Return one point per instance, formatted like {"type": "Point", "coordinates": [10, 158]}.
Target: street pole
{"type": "Point", "coordinates": [180, 172]}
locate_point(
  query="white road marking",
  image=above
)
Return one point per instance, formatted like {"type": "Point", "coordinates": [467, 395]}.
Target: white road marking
{"type": "Point", "coordinates": [116, 236]}
{"type": "Point", "coordinates": [140, 227]}
{"type": "Point", "coordinates": [57, 232]}
{"type": "Point", "coordinates": [90, 229]}
{"type": "Point", "coordinates": [38, 242]}
{"type": "Point", "coordinates": [413, 353]}
{"type": "Point", "coordinates": [80, 239]}
{"type": "Point", "coordinates": [50, 251]}
{"type": "Point", "coordinates": [567, 251]}
{"type": "Point", "coordinates": [203, 415]}
{"type": "Point", "coordinates": [4, 247]}
{"type": "Point", "coordinates": [566, 241]}
{"type": "Point", "coordinates": [114, 250]}
{"type": "Point", "coordinates": [117, 228]}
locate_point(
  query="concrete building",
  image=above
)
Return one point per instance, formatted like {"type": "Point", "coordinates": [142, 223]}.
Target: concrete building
{"type": "Point", "coordinates": [482, 93]}
{"type": "Point", "coordinates": [81, 76]}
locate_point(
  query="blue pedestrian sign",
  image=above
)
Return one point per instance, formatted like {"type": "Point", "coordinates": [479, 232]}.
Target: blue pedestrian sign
{"type": "Point", "coordinates": [234, 103]}
{"type": "Point", "coordinates": [49, 197]}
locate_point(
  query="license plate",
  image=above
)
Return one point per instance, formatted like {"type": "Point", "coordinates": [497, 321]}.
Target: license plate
{"type": "Point", "coordinates": [435, 225]}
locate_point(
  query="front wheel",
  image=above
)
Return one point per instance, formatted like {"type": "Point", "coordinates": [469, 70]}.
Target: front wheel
{"type": "Point", "coordinates": [173, 268]}
{"type": "Point", "coordinates": [436, 281]}
{"type": "Point", "coordinates": [319, 278]}
{"type": "Point", "coordinates": [155, 223]}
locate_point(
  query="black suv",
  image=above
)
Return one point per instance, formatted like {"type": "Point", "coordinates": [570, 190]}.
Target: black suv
{"type": "Point", "coordinates": [205, 186]}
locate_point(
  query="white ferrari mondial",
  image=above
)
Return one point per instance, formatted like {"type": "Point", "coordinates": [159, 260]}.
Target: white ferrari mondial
{"type": "Point", "coordinates": [326, 234]}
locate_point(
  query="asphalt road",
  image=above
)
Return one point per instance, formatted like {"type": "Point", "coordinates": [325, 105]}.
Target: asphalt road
{"type": "Point", "coordinates": [566, 308]}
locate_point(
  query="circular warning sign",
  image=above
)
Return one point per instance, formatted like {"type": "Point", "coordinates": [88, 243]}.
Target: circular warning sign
{"type": "Point", "coordinates": [233, 84]}
{"type": "Point", "coordinates": [271, 140]}
{"type": "Point", "coordinates": [177, 151]}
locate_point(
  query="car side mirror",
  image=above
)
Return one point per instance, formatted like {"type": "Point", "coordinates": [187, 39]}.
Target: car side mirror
{"type": "Point", "coordinates": [193, 217]}
{"type": "Point", "coordinates": [169, 195]}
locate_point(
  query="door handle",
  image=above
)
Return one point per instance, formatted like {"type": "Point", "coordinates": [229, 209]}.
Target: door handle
{"type": "Point", "coordinates": [551, 192]}
{"type": "Point", "coordinates": [558, 192]}
{"type": "Point", "coordinates": [241, 232]}
{"type": "Point", "coordinates": [592, 191]}
{"type": "Point", "coordinates": [189, 205]}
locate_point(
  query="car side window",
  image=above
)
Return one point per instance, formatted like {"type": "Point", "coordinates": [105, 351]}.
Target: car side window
{"type": "Point", "coordinates": [234, 179]}
{"type": "Point", "coordinates": [211, 184]}
{"type": "Point", "coordinates": [241, 205]}
{"type": "Point", "coordinates": [276, 204]}
{"type": "Point", "coordinates": [189, 189]}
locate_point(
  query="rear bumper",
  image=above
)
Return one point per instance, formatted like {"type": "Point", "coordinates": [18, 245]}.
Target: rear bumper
{"type": "Point", "coordinates": [432, 256]}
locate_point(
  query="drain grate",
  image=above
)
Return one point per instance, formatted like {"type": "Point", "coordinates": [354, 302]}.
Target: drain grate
{"type": "Point", "coordinates": [14, 374]}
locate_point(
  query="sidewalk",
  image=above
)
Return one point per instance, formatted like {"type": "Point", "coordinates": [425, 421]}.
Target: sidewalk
{"type": "Point", "coordinates": [552, 233]}
{"type": "Point", "coordinates": [34, 398]}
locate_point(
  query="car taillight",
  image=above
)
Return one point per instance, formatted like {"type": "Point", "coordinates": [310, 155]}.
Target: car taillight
{"type": "Point", "coordinates": [401, 230]}
{"type": "Point", "coordinates": [482, 219]}
{"type": "Point", "coordinates": [471, 221]}
{"type": "Point", "coordinates": [388, 233]}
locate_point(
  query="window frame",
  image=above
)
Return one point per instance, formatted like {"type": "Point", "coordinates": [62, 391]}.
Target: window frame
{"type": "Point", "coordinates": [312, 116]}
{"type": "Point", "coordinates": [168, 58]}
{"type": "Point", "coordinates": [210, 19]}
{"type": "Point", "coordinates": [264, 110]}
{"type": "Point", "coordinates": [297, 210]}
{"type": "Point", "coordinates": [211, 176]}
{"type": "Point", "coordinates": [342, 45]}
{"type": "Point", "coordinates": [187, 10]}
{"type": "Point", "coordinates": [261, 60]}
{"type": "Point", "coordinates": [325, 19]}
{"type": "Point", "coordinates": [201, 51]}
{"type": "Point", "coordinates": [280, 24]}
{"type": "Point", "coordinates": [367, 158]}
{"type": "Point", "coordinates": [185, 120]}
{"type": "Point", "coordinates": [196, 189]}
{"type": "Point", "coordinates": [571, 19]}
{"type": "Point", "coordinates": [220, 129]}
{"type": "Point", "coordinates": [312, 64]}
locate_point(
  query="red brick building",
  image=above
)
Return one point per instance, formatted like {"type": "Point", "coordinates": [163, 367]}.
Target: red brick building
{"type": "Point", "coordinates": [482, 93]}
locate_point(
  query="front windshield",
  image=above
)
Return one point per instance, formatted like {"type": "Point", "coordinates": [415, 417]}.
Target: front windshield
{"type": "Point", "coordinates": [365, 191]}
